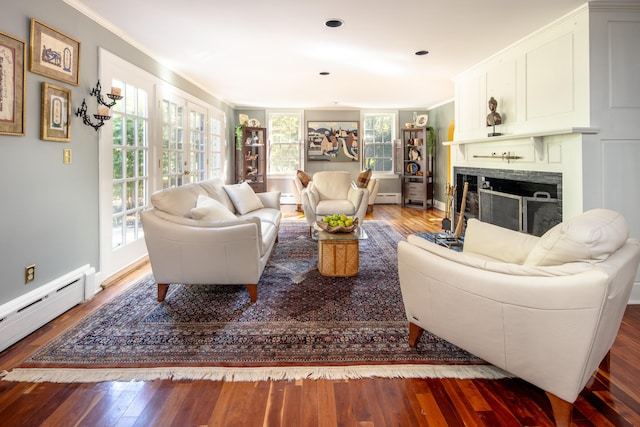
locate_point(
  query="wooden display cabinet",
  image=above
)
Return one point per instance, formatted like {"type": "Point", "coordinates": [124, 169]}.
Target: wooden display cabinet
{"type": "Point", "coordinates": [418, 168]}
{"type": "Point", "coordinates": [251, 158]}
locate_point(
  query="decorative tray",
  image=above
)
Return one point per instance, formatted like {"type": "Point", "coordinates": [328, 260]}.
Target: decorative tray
{"type": "Point", "coordinates": [338, 229]}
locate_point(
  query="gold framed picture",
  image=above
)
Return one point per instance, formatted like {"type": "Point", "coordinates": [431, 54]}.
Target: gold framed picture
{"type": "Point", "coordinates": [13, 56]}
{"type": "Point", "coordinates": [55, 113]}
{"type": "Point", "coordinates": [54, 54]}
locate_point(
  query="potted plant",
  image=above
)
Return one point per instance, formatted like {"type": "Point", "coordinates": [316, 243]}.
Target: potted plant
{"type": "Point", "coordinates": [239, 135]}
{"type": "Point", "coordinates": [431, 140]}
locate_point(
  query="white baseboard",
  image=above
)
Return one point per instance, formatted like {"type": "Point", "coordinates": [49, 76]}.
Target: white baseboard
{"type": "Point", "coordinates": [287, 199]}
{"type": "Point", "coordinates": [23, 315]}
{"type": "Point", "coordinates": [388, 199]}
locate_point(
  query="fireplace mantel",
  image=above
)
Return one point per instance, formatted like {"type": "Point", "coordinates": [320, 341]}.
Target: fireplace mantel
{"type": "Point", "coordinates": [533, 135]}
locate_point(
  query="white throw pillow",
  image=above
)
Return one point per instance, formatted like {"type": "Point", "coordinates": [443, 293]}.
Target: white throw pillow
{"type": "Point", "coordinates": [589, 237]}
{"type": "Point", "coordinates": [210, 209]}
{"type": "Point", "coordinates": [243, 197]}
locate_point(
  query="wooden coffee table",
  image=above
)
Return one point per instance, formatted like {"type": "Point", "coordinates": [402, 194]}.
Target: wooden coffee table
{"type": "Point", "coordinates": [338, 253]}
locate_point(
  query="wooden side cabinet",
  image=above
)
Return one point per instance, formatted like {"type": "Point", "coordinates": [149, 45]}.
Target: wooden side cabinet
{"type": "Point", "coordinates": [251, 158]}
{"type": "Point", "coordinates": [418, 168]}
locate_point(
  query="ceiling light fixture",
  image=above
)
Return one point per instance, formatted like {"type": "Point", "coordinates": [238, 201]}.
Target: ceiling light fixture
{"type": "Point", "coordinates": [324, 73]}
{"type": "Point", "coordinates": [422, 52]}
{"type": "Point", "coordinates": [334, 23]}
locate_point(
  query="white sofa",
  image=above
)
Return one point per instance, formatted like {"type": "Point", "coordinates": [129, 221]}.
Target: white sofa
{"type": "Point", "coordinates": [333, 192]}
{"type": "Point", "coordinates": [211, 233]}
{"type": "Point", "coordinates": [546, 309]}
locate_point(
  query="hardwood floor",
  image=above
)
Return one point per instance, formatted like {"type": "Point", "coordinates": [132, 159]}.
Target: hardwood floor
{"type": "Point", "coordinates": [609, 399]}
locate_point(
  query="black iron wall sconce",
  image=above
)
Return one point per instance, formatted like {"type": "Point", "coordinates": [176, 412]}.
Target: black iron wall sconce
{"type": "Point", "coordinates": [103, 106]}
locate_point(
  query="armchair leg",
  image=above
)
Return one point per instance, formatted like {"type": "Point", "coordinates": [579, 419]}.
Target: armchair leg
{"type": "Point", "coordinates": [562, 410]}
{"type": "Point", "coordinates": [163, 288]}
{"type": "Point", "coordinates": [253, 292]}
{"type": "Point", "coordinates": [415, 332]}
{"type": "Point", "coordinates": [298, 208]}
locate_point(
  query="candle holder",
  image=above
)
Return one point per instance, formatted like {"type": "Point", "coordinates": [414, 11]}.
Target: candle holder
{"type": "Point", "coordinates": [82, 112]}
{"type": "Point", "coordinates": [97, 92]}
{"type": "Point", "coordinates": [101, 118]}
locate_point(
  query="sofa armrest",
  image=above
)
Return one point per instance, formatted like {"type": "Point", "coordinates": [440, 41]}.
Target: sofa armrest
{"type": "Point", "coordinates": [310, 196]}
{"type": "Point", "coordinates": [358, 196]}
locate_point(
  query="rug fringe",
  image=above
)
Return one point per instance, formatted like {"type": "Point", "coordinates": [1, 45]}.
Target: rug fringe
{"type": "Point", "coordinates": [80, 375]}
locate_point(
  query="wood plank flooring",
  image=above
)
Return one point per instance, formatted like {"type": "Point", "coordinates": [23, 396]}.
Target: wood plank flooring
{"type": "Point", "coordinates": [608, 400]}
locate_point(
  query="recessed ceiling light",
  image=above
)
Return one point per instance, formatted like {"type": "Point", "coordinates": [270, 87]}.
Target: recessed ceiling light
{"type": "Point", "coordinates": [324, 73]}
{"type": "Point", "coordinates": [334, 23]}
{"type": "Point", "coordinates": [422, 52]}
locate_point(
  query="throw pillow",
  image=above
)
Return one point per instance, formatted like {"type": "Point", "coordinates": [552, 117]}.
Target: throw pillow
{"type": "Point", "coordinates": [303, 177]}
{"type": "Point", "coordinates": [589, 237]}
{"type": "Point", "coordinates": [363, 178]}
{"type": "Point", "coordinates": [243, 197]}
{"type": "Point", "coordinates": [210, 209]}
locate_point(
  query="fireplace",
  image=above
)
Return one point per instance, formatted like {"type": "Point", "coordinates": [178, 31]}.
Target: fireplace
{"type": "Point", "coordinates": [527, 201]}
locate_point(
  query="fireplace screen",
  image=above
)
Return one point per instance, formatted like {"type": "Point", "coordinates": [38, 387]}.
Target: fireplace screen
{"type": "Point", "coordinates": [502, 209]}
{"type": "Point", "coordinates": [541, 212]}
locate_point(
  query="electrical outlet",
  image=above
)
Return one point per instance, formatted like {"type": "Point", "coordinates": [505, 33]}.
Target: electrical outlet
{"type": "Point", "coordinates": [29, 273]}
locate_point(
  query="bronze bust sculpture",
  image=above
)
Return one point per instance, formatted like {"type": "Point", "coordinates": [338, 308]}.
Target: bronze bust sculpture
{"type": "Point", "coordinates": [493, 118]}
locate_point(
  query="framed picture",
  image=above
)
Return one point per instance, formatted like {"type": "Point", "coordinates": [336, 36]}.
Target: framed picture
{"type": "Point", "coordinates": [13, 56]}
{"type": "Point", "coordinates": [332, 141]}
{"type": "Point", "coordinates": [56, 113]}
{"type": "Point", "coordinates": [54, 54]}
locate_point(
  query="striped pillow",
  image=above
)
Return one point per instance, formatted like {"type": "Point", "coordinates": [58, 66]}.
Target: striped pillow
{"type": "Point", "coordinates": [363, 179]}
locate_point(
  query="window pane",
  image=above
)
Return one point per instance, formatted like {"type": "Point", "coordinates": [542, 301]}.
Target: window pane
{"type": "Point", "coordinates": [285, 142]}
{"type": "Point", "coordinates": [379, 130]}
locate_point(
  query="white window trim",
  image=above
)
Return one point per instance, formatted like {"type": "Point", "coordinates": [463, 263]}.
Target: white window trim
{"type": "Point", "coordinates": [363, 114]}
{"type": "Point", "coordinates": [302, 141]}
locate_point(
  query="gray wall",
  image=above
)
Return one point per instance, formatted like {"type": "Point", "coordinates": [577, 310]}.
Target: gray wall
{"type": "Point", "coordinates": [440, 118]}
{"type": "Point", "coordinates": [48, 210]}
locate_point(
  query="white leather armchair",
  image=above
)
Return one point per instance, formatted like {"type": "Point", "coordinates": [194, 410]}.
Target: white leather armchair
{"type": "Point", "coordinates": [332, 192]}
{"type": "Point", "coordinates": [546, 309]}
{"type": "Point", "coordinates": [373, 187]}
{"type": "Point", "coordinates": [296, 190]}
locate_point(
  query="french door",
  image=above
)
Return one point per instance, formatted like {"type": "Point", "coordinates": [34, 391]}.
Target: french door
{"type": "Point", "coordinates": [184, 142]}
{"type": "Point", "coordinates": [125, 156]}
{"type": "Point", "coordinates": [189, 146]}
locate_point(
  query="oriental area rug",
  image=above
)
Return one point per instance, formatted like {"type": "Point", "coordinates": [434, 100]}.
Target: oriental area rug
{"type": "Point", "coordinates": [304, 325]}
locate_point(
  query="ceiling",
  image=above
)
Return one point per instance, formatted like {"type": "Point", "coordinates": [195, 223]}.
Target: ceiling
{"type": "Point", "coordinates": [269, 54]}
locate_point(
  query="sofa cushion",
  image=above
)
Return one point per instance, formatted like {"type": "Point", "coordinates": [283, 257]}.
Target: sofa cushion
{"type": "Point", "coordinates": [497, 243]}
{"type": "Point", "coordinates": [215, 189]}
{"type": "Point", "coordinates": [178, 200]}
{"type": "Point", "coordinates": [363, 178]}
{"type": "Point", "coordinates": [243, 197]}
{"type": "Point", "coordinates": [210, 209]}
{"type": "Point", "coordinates": [303, 177]}
{"type": "Point", "coordinates": [589, 237]}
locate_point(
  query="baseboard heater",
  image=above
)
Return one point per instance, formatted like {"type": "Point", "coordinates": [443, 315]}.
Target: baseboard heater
{"type": "Point", "coordinates": [25, 314]}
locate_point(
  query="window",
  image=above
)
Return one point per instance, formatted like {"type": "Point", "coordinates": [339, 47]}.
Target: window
{"type": "Point", "coordinates": [172, 143]}
{"type": "Point", "coordinates": [285, 142]}
{"type": "Point", "coordinates": [192, 141]}
{"type": "Point", "coordinates": [130, 152]}
{"type": "Point", "coordinates": [379, 130]}
{"type": "Point", "coordinates": [216, 143]}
